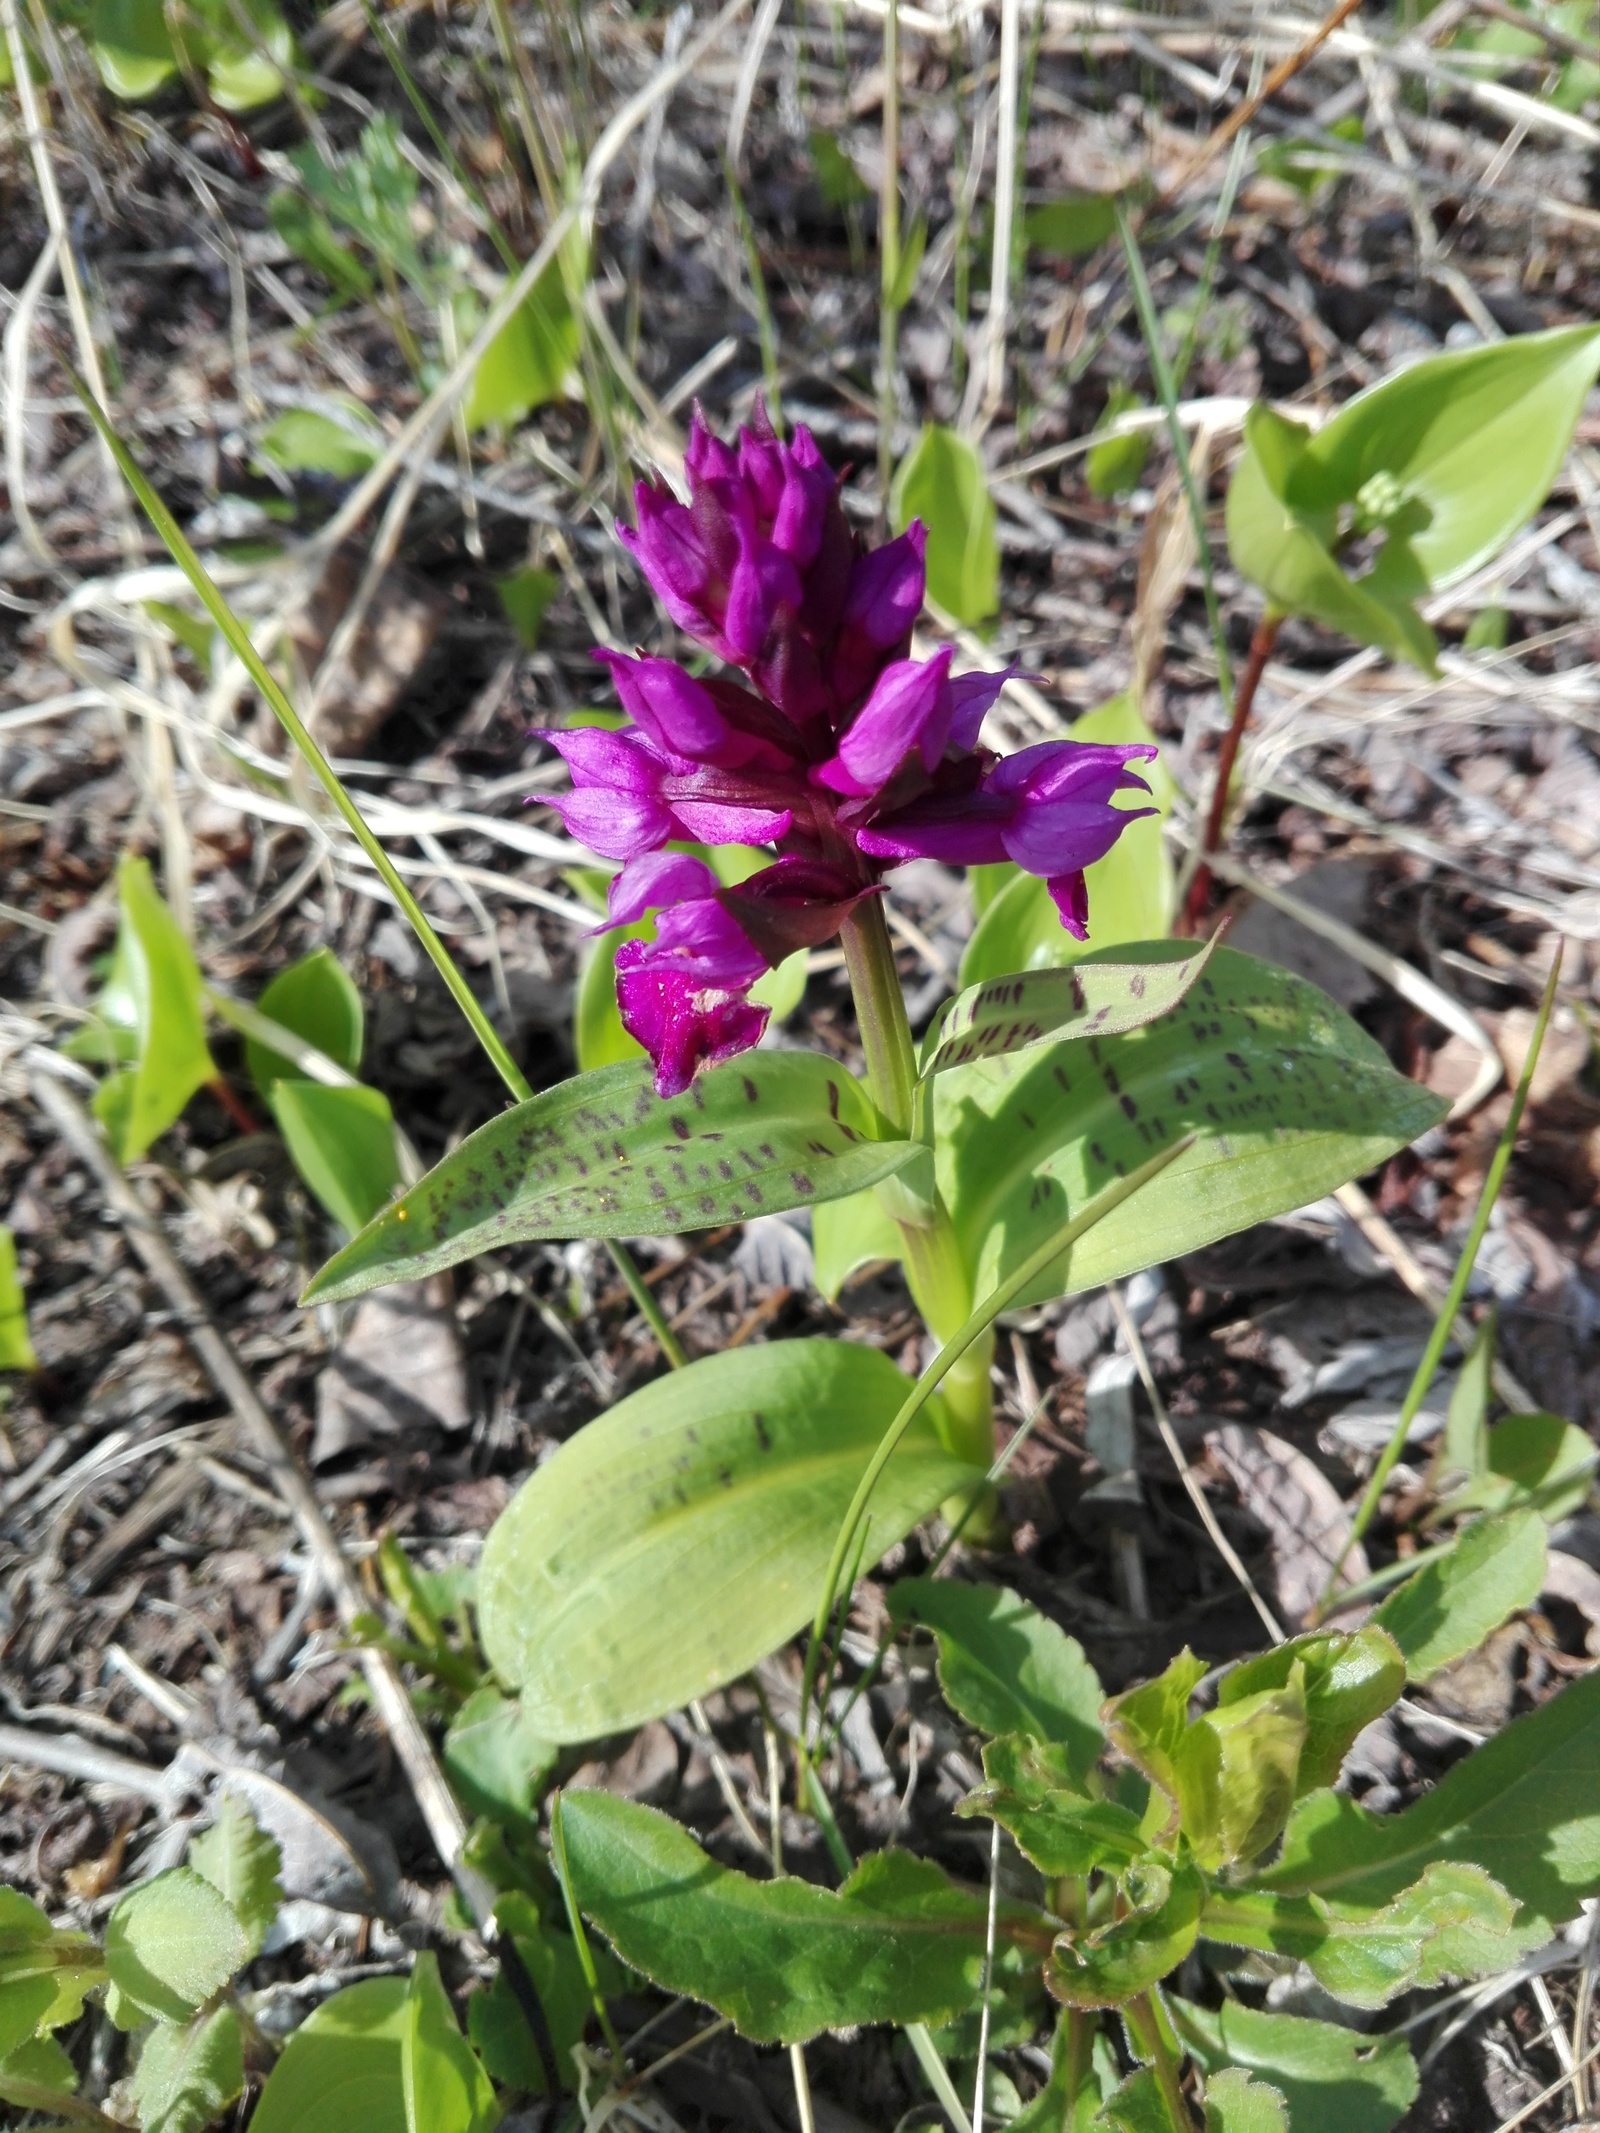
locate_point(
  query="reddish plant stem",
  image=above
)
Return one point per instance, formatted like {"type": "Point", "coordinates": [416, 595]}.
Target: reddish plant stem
{"type": "Point", "coordinates": [1261, 643]}
{"type": "Point", "coordinates": [235, 1106]}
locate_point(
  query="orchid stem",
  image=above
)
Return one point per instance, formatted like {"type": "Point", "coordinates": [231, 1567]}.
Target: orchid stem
{"type": "Point", "coordinates": [880, 1012]}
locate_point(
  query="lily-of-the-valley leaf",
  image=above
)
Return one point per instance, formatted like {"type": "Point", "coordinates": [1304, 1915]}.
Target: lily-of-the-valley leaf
{"type": "Point", "coordinates": [602, 1155]}
{"type": "Point", "coordinates": [1089, 999]}
{"type": "Point", "coordinates": [899, 1942]}
{"type": "Point", "coordinates": [722, 1485]}
{"type": "Point", "coordinates": [1286, 1094]}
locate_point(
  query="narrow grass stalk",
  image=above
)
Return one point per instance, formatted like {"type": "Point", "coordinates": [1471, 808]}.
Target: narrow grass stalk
{"type": "Point", "coordinates": [1005, 193]}
{"type": "Point", "coordinates": [1037, 1263]}
{"type": "Point", "coordinates": [766, 331]}
{"type": "Point", "coordinates": [1444, 1322]}
{"type": "Point", "coordinates": [580, 1939]}
{"type": "Point", "coordinates": [889, 253]}
{"type": "Point", "coordinates": [1167, 393]}
{"type": "Point", "coordinates": [237, 639]}
{"type": "Point", "coordinates": [938, 2075]}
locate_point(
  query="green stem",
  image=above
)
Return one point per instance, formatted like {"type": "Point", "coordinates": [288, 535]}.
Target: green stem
{"type": "Point", "coordinates": [880, 1012]}
{"type": "Point", "coordinates": [238, 640]}
{"type": "Point", "coordinates": [1145, 2027]}
{"type": "Point", "coordinates": [1444, 1323]}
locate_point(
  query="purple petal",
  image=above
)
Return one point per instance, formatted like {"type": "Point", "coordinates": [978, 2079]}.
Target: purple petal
{"type": "Point", "coordinates": [705, 456]}
{"type": "Point", "coordinates": [886, 588]}
{"type": "Point", "coordinates": [669, 705]}
{"type": "Point", "coordinates": [960, 833]}
{"type": "Point", "coordinates": [971, 697]}
{"type": "Point", "coordinates": [761, 462]}
{"type": "Point", "coordinates": [801, 512]}
{"type": "Point", "coordinates": [1070, 894]}
{"type": "Point", "coordinates": [909, 708]}
{"type": "Point", "coordinates": [721, 822]}
{"type": "Point", "coordinates": [654, 879]}
{"type": "Point", "coordinates": [615, 824]}
{"type": "Point", "coordinates": [673, 552]}
{"type": "Point", "coordinates": [681, 1023]}
{"type": "Point", "coordinates": [761, 581]}
{"type": "Point", "coordinates": [1063, 836]}
{"type": "Point", "coordinates": [1051, 770]}
{"type": "Point", "coordinates": [615, 762]}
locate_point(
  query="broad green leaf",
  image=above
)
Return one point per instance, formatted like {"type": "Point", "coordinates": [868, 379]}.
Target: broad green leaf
{"type": "Point", "coordinates": [849, 1234]}
{"type": "Point", "coordinates": [16, 1349]}
{"type": "Point", "coordinates": [1113, 465]}
{"type": "Point", "coordinates": [497, 2025]}
{"type": "Point", "coordinates": [1113, 1963]}
{"type": "Point", "coordinates": [1474, 435]}
{"type": "Point", "coordinates": [1035, 1792]}
{"type": "Point", "coordinates": [132, 46]}
{"type": "Point", "coordinates": [1262, 1737]}
{"type": "Point", "coordinates": [1150, 1725]}
{"type": "Point", "coordinates": [1453, 1922]}
{"type": "Point", "coordinates": [340, 2071]}
{"type": "Point", "coordinates": [1335, 2080]}
{"type": "Point", "coordinates": [1132, 890]}
{"type": "Point", "coordinates": [241, 1862]}
{"type": "Point", "coordinates": [1012, 1014]}
{"type": "Point", "coordinates": [172, 1942]}
{"type": "Point", "coordinates": [310, 236]}
{"type": "Point", "coordinates": [1450, 1605]}
{"type": "Point", "coordinates": [1289, 1098]}
{"type": "Point", "coordinates": [24, 2003]}
{"type": "Point", "coordinates": [899, 1942]}
{"type": "Point", "coordinates": [1350, 1677]}
{"type": "Point", "coordinates": [445, 2089]}
{"type": "Point", "coordinates": [1068, 227]}
{"type": "Point", "coordinates": [41, 2062]}
{"type": "Point", "coordinates": [240, 77]}
{"type": "Point", "coordinates": [1534, 1460]}
{"type": "Point", "coordinates": [317, 1000]}
{"type": "Point", "coordinates": [1005, 1667]}
{"type": "Point", "coordinates": [530, 359]}
{"type": "Point", "coordinates": [1135, 2105]}
{"type": "Point", "coordinates": [164, 990]}
{"type": "Point", "coordinates": [723, 1485]}
{"type": "Point", "coordinates": [603, 1156]}
{"type": "Point", "coordinates": [1236, 2104]}
{"type": "Point", "coordinates": [942, 482]}
{"type": "Point", "coordinates": [838, 180]}
{"type": "Point", "coordinates": [342, 1143]}
{"type": "Point", "coordinates": [1524, 1806]}
{"type": "Point", "coordinates": [305, 442]}
{"type": "Point", "coordinates": [524, 597]}
{"type": "Point", "coordinates": [189, 2073]}
{"type": "Point", "coordinates": [495, 1760]}
{"type": "Point", "coordinates": [41, 1970]}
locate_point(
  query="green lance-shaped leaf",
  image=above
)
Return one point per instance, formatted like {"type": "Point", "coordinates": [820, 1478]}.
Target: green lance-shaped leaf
{"type": "Point", "coordinates": [1350, 1678]}
{"type": "Point", "coordinates": [172, 1942]}
{"type": "Point", "coordinates": [316, 999]}
{"type": "Point", "coordinates": [1132, 890]}
{"type": "Point", "coordinates": [1287, 1095]}
{"type": "Point", "coordinates": [1335, 2080]}
{"type": "Point", "coordinates": [1454, 1921]}
{"type": "Point", "coordinates": [302, 441]}
{"type": "Point", "coordinates": [341, 1140]}
{"type": "Point", "coordinates": [1034, 1791]}
{"type": "Point", "coordinates": [1007, 1668]}
{"type": "Point", "coordinates": [155, 994]}
{"type": "Point", "coordinates": [603, 1156]}
{"type": "Point", "coordinates": [942, 482]}
{"type": "Point", "coordinates": [1524, 1806]}
{"type": "Point", "coordinates": [722, 1485]}
{"type": "Point", "coordinates": [496, 1761]}
{"type": "Point", "coordinates": [1450, 1605]}
{"type": "Point", "coordinates": [445, 2088]}
{"type": "Point", "coordinates": [899, 1942]}
{"type": "Point", "coordinates": [241, 1862]}
{"type": "Point", "coordinates": [530, 359]}
{"type": "Point", "coordinates": [1114, 1963]}
{"type": "Point", "coordinates": [1012, 1014]}
{"type": "Point", "coordinates": [340, 2071]}
{"type": "Point", "coordinates": [189, 2073]}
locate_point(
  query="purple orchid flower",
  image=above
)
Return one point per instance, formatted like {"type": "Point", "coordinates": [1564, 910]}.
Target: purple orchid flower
{"type": "Point", "coordinates": [836, 747]}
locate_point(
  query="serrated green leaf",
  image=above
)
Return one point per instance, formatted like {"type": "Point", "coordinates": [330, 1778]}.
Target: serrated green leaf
{"type": "Point", "coordinates": [165, 993]}
{"type": "Point", "coordinates": [723, 1484]}
{"type": "Point", "coordinates": [1236, 2104]}
{"type": "Point", "coordinates": [304, 442]}
{"type": "Point", "coordinates": [241, 1862]}
{"type": "Point", "coordinates": [1450, 1605]}
{"type": "Point", "coordinates": [189, 2073]}
{"type": "Point", "coordinates": [1012, 1014]}
{"type": "Point", "coordinates": [1335, 2080]}
{"type": "Point", "coordinates": [1351, 1678]}
{"type": "Point", "coordinates": [40, 1968]}
{"type": "Point", "coordinates": [16, 1349]}
{"type": "Point", "coordinates": [1454, 1921]}
{"type": "Point", "coordinates": [495, 1760]}
{"type": "Point", "coordinates": [1135, 2105]}
{"type": "Point", "coordinates": [942, 482]}
{"type": "Point", "coordinates": [1005, 1667]}
{"type": "Point", "coordinates": [1035, 1792]}
{"type": "Point", "coordinates": [1288, 1097]}
{"type": "Point", "coordinates": [445, 2089]}
{"type": "Point", "coordinates": [340, 2071]}
{"type": "Point", "coordinates": [172, 1942]}
{"type": "Point", "coordinates": [603, 1156]}
{"type": "Point", "coordinates": [341, 1141]}
{"type": "Point", "coordinates": [899, 1942]}
{"type": "Point", "coordinates": [317, 1000]}
{"type": "Point", "coordinates": [1111, 1964]}
{"type": "Point", "coordinates": [1525, 1806]}
{"type": "Point", "coordinates": [371, 191]}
